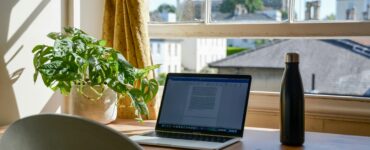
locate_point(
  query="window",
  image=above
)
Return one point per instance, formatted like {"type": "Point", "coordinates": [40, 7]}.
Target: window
{"type": "Point", "coordinates": [273, 27]}
{"type": "Point", "coordinates": [178, 11]}
{"type": "Point", "coordinates": [324, 19]}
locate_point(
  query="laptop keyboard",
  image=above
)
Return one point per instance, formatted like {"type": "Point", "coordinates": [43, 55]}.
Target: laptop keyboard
{"type": "Point", "coordinates": [188, 136]}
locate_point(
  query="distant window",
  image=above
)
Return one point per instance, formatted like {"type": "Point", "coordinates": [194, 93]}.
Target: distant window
{"type": "Point", "coordinates": [169, 52]}
{"type": "Point", "coordinates": [158, 48]}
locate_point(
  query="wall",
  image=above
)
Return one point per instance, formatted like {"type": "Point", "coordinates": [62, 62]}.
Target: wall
{"type": "Point", "coordinates": [188, 50]}
{"type": "Point", "coordinates": [168, 54]}
{"type": "Point", "coordinates": [209, 50]}
{"type": "Point", "coordinates": [266, 79]}
{"type": "Point", "coordinates": [91, 17]}
{"type": "Point", "coordinates": [203, 50]}
{"type": "Point", "coordinates": [329, 114]}
{"type": "Point", "coordinates": [23, 25]}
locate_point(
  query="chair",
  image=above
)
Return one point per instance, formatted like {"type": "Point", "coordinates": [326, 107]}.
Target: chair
{"type": "Point", "coordinates": [61, 132]}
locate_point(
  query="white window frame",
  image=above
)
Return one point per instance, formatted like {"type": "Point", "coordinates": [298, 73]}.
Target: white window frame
{"type": "Point", "coordinates": [287, 29]}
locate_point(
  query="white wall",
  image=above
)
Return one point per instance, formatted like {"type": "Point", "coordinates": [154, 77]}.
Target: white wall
{"type": "Point", "coordinates": [203, 51]}
{"type": "Point", "coordinates": [188, 50]}
{"type": "Point", "coordinates": [91, 17]}
{"type": "Point", "coordinates": [168, 54]}
{"type": "Point", "coordinates": [209, 50]}
{"type": "Point", "coordinates": [24, 24]}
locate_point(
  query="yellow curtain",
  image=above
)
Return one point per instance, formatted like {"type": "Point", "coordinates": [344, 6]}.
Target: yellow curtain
{"type": "Point", "coordinates": [125, 29]}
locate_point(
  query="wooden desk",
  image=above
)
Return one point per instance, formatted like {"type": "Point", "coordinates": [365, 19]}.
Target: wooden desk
{"type": "Point", "coordinates": [258, 138]}
{"type": "Point", "coordinates": [262, 138]}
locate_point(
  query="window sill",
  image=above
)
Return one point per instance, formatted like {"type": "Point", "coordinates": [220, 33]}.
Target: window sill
{"type": "Point", "coordinates": [324, 113]}
{"type": "Point", "coordinates": [346, 108]}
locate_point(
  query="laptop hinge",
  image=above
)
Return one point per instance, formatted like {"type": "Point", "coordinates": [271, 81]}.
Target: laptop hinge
{"type": "Point", "coordinates": [197, 133]}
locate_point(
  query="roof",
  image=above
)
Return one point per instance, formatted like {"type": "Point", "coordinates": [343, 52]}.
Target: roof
{"type": "Point", "coordinates": [339, 68]}
{"type": "Point", "coordinates": [363, 41]}
{"type": "Point", "coordinates": [166, 40]}
{"type": "Point", "coordinates": [258, 16]}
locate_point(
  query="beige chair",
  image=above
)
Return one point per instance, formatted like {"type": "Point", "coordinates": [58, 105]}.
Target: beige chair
{"type": "Point", "coordinates": [61, 132]}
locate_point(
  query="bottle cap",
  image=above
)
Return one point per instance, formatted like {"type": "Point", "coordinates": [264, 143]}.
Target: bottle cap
{"type": "Point", "coordinates": [292, 57]}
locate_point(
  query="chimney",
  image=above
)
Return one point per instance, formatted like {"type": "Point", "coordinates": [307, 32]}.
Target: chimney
{"type": "Point", "coordinates": [308, 11]}
{"type": "Point", "coordinates": [316, 10]}
{"type": "Point", "coordinates": [312, 10]}
{"type": "Point", "coordinates": [351, 13]}
{"type": "Point", "coordinates": [367, 12]}
{"type": "Point", "coordinates": [313, 82]}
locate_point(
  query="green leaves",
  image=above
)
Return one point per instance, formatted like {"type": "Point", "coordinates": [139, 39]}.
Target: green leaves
{"type": "Point", "coordinates": [141, 73]}
{"type": "Point", "coordinates": [55, 35]}
{"type": "Point", "coordinates": [78, 58]}
{"type": "Point", "coordinates": [137, 102]}
{"type": "Point", "coordinates": [102, 42]}
{"type": "Point", "coordinates": [149, 89]}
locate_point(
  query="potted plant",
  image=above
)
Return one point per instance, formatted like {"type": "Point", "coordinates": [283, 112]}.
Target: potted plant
{"type": "Point", "coordinates": [95, 76]}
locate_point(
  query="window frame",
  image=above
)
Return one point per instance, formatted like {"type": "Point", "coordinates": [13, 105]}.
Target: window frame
{"type": "Point", "coordinates": [285, 29]}
{"type": "Point", "coordinates": [323, 30]}
{"type": "Point", "coordinates": [289, 29]}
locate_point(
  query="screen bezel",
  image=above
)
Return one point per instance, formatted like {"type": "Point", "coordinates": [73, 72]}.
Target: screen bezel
{"type": "Point", "coordinates": [238, 134]}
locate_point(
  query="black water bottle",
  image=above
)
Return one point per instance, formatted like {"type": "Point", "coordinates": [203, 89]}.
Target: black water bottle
{"type": "Point", "coordinates": [292, 103]}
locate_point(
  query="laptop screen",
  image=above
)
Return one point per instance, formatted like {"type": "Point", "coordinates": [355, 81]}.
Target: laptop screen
{"type": "Point", "coordinates": [209, 104]}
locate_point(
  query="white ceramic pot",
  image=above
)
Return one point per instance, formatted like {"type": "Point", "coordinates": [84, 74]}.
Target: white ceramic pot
{"type": "Point", "coordinates": [86, 102]}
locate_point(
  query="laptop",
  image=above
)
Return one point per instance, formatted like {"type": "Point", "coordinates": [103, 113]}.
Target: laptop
{"type": "Point", "coordinates": [200, 111]}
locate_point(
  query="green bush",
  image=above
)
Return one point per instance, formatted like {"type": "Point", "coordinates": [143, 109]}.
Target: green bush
{"type": "Point", "coordinates": [233, 50]}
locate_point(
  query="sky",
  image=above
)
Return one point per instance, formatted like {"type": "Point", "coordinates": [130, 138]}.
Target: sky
{"type": "Point", "coordinates": [328, 7]}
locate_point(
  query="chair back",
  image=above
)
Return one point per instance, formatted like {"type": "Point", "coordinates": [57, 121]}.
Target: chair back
{"type": "Point", "coordinates": [62, 132]}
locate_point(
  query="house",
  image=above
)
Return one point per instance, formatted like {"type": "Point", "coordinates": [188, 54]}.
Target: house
{"type": "Point", "coordinates": [272, 12]}
{"type": "Point", "coordinates": [353, 10]}
{"type": "Point", "coordinates": [326, 66]}
{"type": "Point", "coordinates": [202, 51]}
{"type": "Point", "coordinates": [167, 53]}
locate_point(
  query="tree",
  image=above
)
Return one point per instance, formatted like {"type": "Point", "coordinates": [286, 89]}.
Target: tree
{"type": "Point", "coordinates": [330, 17]}
{"type": "Point", "coordinates": [228, 6]}
{"type": "Point", "coordinates": [166, 8]}
{"type": "Point", "coordinates": [253, 5]}
{"type": "Point", "coordinates": [260, 42]}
